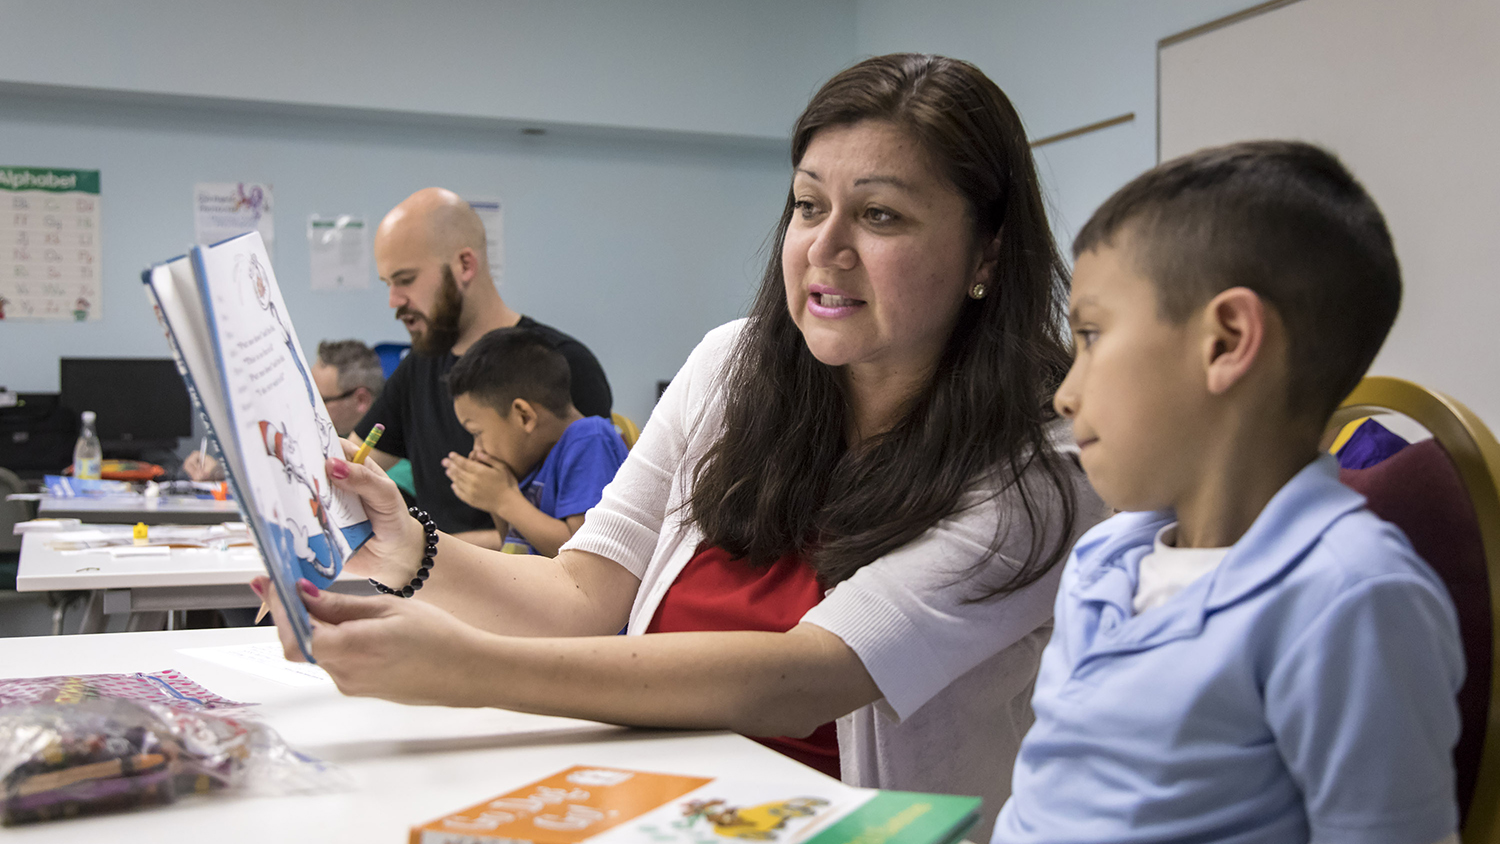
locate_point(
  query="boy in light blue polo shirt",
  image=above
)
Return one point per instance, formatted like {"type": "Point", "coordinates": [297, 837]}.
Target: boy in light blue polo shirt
{"type": "Point", "coordinates": [1249, 655]}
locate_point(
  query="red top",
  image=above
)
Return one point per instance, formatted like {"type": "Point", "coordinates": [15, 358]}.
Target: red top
{"type": "Point", "coordinates": [719, 592]}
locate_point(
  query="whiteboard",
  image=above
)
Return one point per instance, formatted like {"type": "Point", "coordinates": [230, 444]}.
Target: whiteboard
{"type": "Point", "coordinates": [1407, 93]}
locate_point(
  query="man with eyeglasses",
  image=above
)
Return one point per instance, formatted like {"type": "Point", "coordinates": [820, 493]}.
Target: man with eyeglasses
{"type": "Point", "coordinates": [349, 377]}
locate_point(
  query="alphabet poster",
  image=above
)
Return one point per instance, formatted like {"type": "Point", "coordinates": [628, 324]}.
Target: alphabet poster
{"type": "Point", "coordinates": [49, 231]}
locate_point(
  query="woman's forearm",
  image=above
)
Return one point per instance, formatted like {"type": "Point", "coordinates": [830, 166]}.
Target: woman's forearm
{"type": "Point", "coordinates": [578, 594]}
{"type": "Point", "coordinates": [755, 683]}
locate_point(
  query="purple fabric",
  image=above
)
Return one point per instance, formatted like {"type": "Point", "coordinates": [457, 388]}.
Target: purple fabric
{"type": "Point", "coordinates": [1420, 491]}
{"type": "Point", "coordinates": [1370, 444]}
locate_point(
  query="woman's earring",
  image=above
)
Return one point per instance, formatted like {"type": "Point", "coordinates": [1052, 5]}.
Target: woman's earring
{"type": "Point", "coordinates": [978, 290]}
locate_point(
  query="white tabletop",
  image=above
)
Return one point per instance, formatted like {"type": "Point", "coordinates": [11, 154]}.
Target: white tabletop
{"type": "Point", "coordinates": [133, 508]}
{"type": "Point", "coordinates": [410, 764]}
{"type": "Point", "coordinates": [44, 568]}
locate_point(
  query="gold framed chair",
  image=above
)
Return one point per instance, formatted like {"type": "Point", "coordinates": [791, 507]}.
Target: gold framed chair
{"type": "Point", "coordinates": [629, 431]}
{"type": "Point", "coordinates": [1475, 455]}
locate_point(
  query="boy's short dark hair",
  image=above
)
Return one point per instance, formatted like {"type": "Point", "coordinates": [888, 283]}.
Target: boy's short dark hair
{"type": "Point", "coordinates": [513, 363]}
{"type": "Point", "coordinates": [1282, 218]}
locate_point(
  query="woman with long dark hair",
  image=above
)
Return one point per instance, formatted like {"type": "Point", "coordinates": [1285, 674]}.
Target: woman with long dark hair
{"type": "Point", "coordinates": [841, 528]}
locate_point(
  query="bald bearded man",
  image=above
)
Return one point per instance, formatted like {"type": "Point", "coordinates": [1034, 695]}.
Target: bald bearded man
{"type": "Point", "coordinates": [430, 252]}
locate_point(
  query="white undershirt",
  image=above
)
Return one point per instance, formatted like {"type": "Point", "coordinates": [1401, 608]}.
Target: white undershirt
{"type": "Point", "coordinates": [1168, 570]}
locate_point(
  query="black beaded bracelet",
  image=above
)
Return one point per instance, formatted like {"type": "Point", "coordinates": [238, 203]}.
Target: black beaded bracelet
{"type": "Point", "coordinates": [424, 571]}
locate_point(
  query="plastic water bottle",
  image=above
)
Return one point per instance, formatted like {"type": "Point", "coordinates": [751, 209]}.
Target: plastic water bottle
{"type": "Point", "coordinates": [87, 455]}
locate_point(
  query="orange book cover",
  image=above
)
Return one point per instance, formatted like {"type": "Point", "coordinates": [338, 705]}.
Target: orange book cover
{"type": "Point", "coordinates": [565, 808]}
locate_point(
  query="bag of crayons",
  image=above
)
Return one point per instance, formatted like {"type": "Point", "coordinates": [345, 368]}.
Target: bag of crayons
{"type": "Point", "coordinates": [68, 747]}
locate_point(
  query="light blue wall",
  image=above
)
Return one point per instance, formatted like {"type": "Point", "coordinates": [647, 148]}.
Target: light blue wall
{"type": "Point", "coordinates": [636, 248]}
{"type": "Point", "coordinates": [714, 66]}
{"type": "Point", "coordinates": [1064, 63]}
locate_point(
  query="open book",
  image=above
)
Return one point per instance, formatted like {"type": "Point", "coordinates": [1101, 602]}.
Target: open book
{"type": "Point", "coordinates": [235, 345]}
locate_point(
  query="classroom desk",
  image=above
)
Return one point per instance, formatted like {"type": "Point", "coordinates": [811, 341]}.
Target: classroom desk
{"type": "Point", "coordinates": [410, 764]}
{"type": "Point", "coordinates": [129, 509]}
{"type": "Point", "coordinates": [188, 579]}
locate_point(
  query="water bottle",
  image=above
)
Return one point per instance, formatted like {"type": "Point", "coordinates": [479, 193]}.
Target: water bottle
{"type": "Point", "coordinates": [87, 455]}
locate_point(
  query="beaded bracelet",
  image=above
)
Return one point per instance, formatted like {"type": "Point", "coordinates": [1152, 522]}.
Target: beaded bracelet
{"type": "Point", "coordinates": [425, 569]}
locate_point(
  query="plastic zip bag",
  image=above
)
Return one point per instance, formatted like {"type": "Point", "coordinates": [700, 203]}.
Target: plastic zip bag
{"type": "Point", "coordinates": [88, 744]}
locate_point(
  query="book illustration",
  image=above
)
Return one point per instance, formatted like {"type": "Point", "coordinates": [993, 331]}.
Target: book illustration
{"type": "Point", "coordinates": [754, 823]}
{"type": "Point", "coordinates": [317, 551]}
{"type": "Point", "coordinates": [256, 276]}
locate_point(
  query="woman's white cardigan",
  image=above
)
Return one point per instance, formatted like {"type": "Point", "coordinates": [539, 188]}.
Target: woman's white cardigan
{"type": "Point", "coordinates": [956, 676]}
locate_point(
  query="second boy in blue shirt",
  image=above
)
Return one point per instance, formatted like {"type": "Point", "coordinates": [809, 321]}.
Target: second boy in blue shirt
{"type": "Point", "coordinates": [1252, 656]}
{"type": "Point", "coordinates": [538, 463]}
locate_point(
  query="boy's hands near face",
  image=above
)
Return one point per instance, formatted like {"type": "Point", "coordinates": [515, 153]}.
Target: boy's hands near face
{"type": "Point", "coordinates": [480, 480]}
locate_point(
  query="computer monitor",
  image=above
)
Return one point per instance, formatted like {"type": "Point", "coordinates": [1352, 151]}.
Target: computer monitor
{"type": "Point", "coordinates": [140, 404]}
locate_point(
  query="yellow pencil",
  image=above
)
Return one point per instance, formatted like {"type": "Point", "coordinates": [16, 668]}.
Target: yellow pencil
{"type": "Point", "coordinates": [369, 443]}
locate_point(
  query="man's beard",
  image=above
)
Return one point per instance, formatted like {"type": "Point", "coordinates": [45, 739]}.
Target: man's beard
{"type": "Point", "coordinates": [441, 330]}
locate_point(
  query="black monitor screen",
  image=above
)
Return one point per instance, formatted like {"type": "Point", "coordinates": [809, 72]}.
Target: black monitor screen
{"type": "Point", "coordinates": [137, 401]}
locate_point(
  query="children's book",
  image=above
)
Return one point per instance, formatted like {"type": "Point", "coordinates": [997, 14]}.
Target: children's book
{"type": "Point", "coordinates": [234, 344]}
{"type": "Point", "coordinates": [601, 805]}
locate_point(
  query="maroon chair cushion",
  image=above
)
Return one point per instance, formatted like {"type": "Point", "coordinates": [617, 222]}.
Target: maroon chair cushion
{"type": "Point", "coordinates": [1419, 490]}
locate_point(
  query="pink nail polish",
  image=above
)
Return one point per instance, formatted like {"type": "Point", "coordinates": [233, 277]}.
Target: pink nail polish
{"type": "Point", "coordinates": [255, 587]}
{"type": "Point", "coordinates": [308, 588]}
{"type": "Point", "coordinates": [338, 468]}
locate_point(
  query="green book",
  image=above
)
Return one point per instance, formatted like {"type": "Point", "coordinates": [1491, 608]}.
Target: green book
{"type": "Point", "coordinates": [904, 817]}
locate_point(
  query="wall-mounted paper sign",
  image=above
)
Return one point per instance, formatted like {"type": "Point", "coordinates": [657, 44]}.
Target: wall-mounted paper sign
{"type": "Point", "coordinates": [494, 233]}
{"type": "Point", "coordinates": [222, 210]}
{"type": "Point", "coordinates": [339, 252]}
{"type": "Point", "coordinates": [49, 229]}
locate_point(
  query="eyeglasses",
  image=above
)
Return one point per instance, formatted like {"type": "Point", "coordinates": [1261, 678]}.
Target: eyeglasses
{"type": "Point", "coordinates": [340, 397]}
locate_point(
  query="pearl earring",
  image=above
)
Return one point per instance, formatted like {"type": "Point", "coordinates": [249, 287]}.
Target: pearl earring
{"type": "Point", "coordinates": [978, 291]}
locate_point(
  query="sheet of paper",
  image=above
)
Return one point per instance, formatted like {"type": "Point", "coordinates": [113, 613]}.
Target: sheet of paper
{"type": "Point", "coordinates": [339, 252]}
{"type": "Point", "coordinates": [263, 659]}
{"type": "Point", "coordinates": [489, 213]}
{"type": "Point", "coordinates": [49, 227]}
{"type": "Point", "coordinates": [222, 210]}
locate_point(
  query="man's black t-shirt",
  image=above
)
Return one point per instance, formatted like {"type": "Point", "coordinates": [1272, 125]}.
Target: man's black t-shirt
{"type": "Point", "coordinates": [420, 425]}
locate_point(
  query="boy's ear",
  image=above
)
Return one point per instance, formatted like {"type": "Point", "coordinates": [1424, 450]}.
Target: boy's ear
{"type": "Point", "coordinates": [525, 414]}
{"type": "Point", "coordinates": [1235, 322]}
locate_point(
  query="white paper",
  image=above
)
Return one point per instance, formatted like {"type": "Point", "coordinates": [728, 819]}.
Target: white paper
{"type": "Point", "coordinates": [339, 253]}
{"type": "Point", "coordinates": [489, 213]}
{"type": "Point", "coordinates": [263, 659]}
{"type": "Point", "coordinates": [49, 229]}
{"type": "Point", "coordinates": [222, 210]}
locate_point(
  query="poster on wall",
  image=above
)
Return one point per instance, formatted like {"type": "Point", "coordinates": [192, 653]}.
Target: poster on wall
{"type": "Point", "coordinates": [49, 225]}
{"type": "Point", "coordinates": [222, 210]}
{"type": "Point", "coordinates": [494, 233]}
{"type": "Point", "coordinates": [340, 257]}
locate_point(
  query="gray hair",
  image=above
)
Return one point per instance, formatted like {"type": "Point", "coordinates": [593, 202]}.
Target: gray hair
{"type": "Point", "coordinates": [357, 364]}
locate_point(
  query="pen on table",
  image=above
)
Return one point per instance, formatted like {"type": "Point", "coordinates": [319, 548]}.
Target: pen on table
{"type": "Point", "coordinates": [359, 457]}
{"type": "Point", "coordinates": [369, 443]}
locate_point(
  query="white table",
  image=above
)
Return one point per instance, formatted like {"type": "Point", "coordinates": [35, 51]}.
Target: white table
{"type": "Point", "coordinates": [129, 509]}
{"type": "Point", "coordinates": [411, 764]}
{"type": "Point", "coordinates": [187, 579]}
